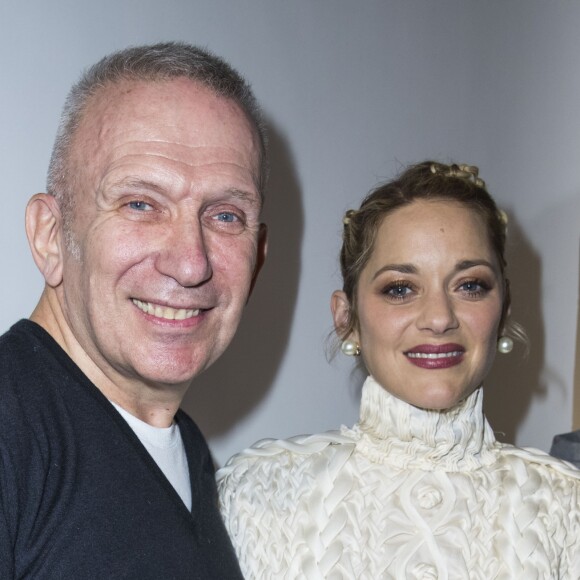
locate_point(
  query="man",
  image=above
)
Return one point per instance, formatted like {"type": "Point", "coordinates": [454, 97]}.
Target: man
{"type": "Point", "coordinates": [149, 242]}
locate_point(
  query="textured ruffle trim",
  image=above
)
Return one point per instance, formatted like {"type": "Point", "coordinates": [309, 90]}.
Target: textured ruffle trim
{"type": "Point", "coordinates": [394, 432]}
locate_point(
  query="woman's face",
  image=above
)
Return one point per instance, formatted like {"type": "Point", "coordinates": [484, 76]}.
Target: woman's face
{"type": "Point", "coordinates": [429, 304]}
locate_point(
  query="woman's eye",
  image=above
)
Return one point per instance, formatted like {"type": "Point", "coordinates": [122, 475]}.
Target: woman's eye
{"type": "Point", "coordinates": [474, 287]}
{"type": "Point", "coordinates": [471, 286]}
{"type": "Point", "coordinates": [398, 291]}
{"type": "Point", "coordinates": [139, 205]}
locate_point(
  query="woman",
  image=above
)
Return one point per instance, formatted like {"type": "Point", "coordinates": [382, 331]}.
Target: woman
{"type": "Point", "coordinates": [419, 488]}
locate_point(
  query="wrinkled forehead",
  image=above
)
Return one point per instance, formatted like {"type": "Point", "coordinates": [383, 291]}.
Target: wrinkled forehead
{"type": "Point", "coordinates": [178, 112]}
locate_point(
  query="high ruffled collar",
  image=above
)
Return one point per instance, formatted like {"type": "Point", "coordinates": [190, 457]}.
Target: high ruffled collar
{"type": "Point", "coordinates": [393, 432]}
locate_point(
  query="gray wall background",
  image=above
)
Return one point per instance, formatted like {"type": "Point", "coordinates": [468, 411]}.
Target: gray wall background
{"type": "Point", "coordinates": [353, 90]}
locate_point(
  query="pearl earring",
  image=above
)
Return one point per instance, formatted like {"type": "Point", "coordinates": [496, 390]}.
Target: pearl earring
{"type": "Point", "coordinates": [505, 344]}
{"type": "Point", "coordinates": [350, 348]}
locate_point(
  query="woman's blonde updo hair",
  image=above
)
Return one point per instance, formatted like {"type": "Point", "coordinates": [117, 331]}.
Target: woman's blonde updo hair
{"type": "Point", "coordinates": [431, 181]}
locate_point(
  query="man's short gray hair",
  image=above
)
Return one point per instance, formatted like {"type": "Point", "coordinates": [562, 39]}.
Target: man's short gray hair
{"type": "Point", "coordinates": [157, 62]}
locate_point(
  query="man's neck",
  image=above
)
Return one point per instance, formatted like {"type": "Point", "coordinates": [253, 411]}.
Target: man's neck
{"type": "Point", "coordinates": [150, 403]}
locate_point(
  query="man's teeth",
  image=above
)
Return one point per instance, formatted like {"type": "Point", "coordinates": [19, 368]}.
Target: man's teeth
{"type": "Point", "coordinates": [165, 311]}
{"type": "Point", "coordinates": [433, 355]}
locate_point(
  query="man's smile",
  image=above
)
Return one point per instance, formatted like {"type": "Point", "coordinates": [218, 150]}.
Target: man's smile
{"type": "Point", "coordinates": [166, 312]}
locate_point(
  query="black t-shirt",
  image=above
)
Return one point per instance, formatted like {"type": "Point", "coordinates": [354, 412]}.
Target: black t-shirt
{"type": "Point", "coordinates": [80, 497]}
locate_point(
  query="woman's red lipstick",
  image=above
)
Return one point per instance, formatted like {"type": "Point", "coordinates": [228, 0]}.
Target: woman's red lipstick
{"type": "Point", "coordinates": [435, 356]}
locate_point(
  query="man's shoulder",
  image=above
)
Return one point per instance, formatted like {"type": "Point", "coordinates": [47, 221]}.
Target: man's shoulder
{"type": "Point", "coordinates": [36, 377]}
{"type": "Point", "coordinates": [17, 354]}
{"type": "Point", "coordinates": [24, 341]}
{"type": "Point", "coordinates": [14, 335]}
{"type": "Point", "coordinates": [26, 355]}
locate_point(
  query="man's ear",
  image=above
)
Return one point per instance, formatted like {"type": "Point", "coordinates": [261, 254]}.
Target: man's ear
{"type": "Point", "coordinates": [44, 233]}
{"type": "Point", "coordinates": [261, 253]}
{"type": "Point", "coordinates": [340, 307]}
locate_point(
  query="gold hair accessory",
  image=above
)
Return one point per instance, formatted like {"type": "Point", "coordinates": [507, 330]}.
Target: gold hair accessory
{"type": "Point", "coordinates": [503, 217]}
{"type": "Point", "coordinates": [463, 171]}
{"type": "Point", "coordinates": [347, 216]}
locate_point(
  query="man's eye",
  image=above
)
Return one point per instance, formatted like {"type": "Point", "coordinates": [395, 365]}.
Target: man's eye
{"type": "Point", "coordinates": [227, 217]}
{"type": "Point", "coordinates": [139, 205]}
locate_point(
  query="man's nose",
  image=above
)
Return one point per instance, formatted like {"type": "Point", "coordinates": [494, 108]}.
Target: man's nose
{"type": "Point", "coordinates": [184, 256]}
{"type": "Point", "coordinates": [437, 313]}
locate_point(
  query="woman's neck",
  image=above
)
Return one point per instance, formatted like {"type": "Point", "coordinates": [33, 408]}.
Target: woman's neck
{"type": "Point", "coordinates": [402, 435]}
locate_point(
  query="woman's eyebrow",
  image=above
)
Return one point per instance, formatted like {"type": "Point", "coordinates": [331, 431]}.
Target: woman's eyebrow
{"type": "Point", "coordinates": [466, 264]}
{"type": "Point", "coordinates": [402, 268]}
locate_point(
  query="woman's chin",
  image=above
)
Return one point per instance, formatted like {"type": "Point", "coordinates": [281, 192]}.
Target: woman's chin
{"type": "Point", "coordinates": [438, 399]}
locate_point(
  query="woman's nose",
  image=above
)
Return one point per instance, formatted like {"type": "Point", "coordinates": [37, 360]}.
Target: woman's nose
{"type": "Point", "coordinates": [437, 313]}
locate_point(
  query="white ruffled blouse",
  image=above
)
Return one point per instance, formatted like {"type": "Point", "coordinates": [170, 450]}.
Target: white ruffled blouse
{"type": "Point", "coordinates": [406, 494]}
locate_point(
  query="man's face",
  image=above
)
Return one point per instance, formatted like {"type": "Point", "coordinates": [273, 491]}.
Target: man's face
{"type": "Point", "coordinates": [165, 229]}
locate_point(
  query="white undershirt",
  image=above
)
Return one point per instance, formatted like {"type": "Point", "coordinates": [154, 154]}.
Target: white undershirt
{"type": "Point", "coordinates": [166, 447]}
